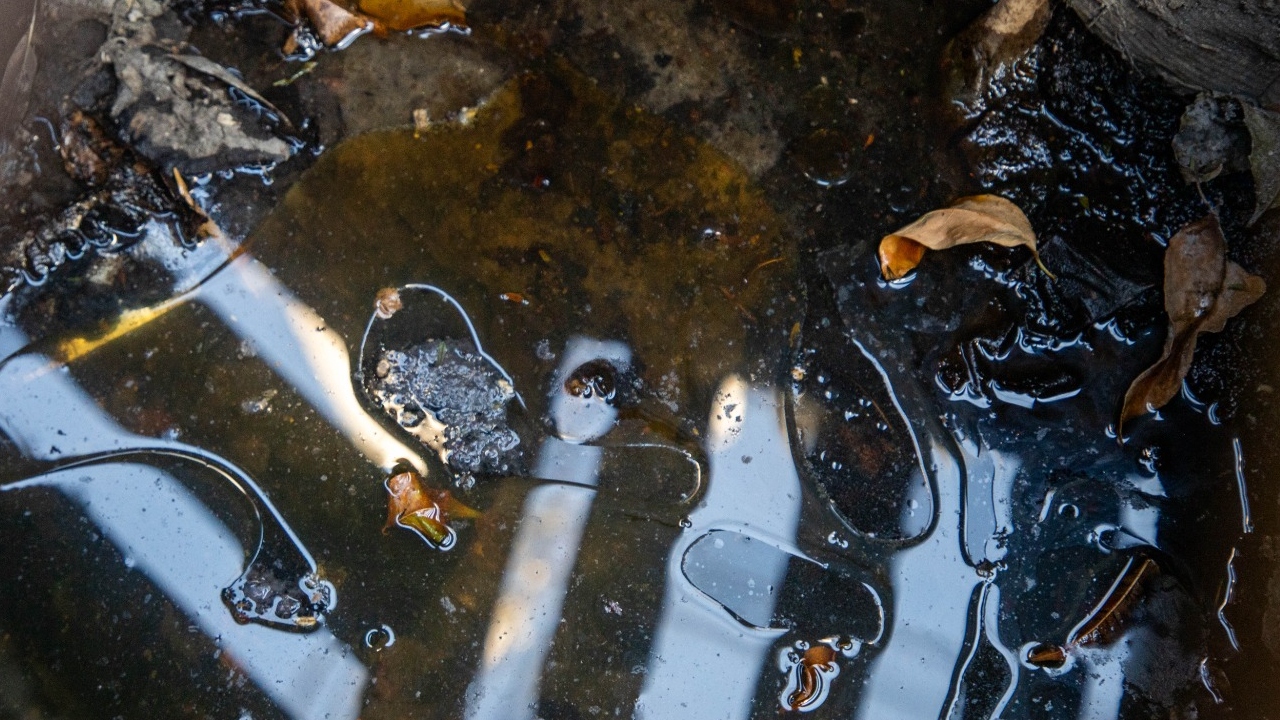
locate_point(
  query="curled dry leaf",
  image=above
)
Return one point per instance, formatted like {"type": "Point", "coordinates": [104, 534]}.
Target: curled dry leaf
{"type": "Point", "coordinates": [424, 510]}
{"type": "Point", "coordinates": [1109, 617]}
{"type": "Point", "coordinates": [388, 303]}
{"type": "Point", "coordinates": [973, 219]}
{"type": "Point", "coordinates": [815, 660]}
{"type": "Point", "coordinates": [1202, 290]}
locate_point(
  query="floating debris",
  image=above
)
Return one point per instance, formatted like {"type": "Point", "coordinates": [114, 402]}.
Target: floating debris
{"type": "Point", "coordinates": [809, 671]}
{"type": "Point", "coordinates": [424, 510]}
{"type": "Point", "coordinates": [261, 596]}
{"type": "Point", "coordinates": [454, 400]}
{"type": "Point", "coordinates": [975, 219]}
{"type": "Point", "coordinates": [388, 303]}
{"type": "Point", "coordinates": [597, 378]}
{"type": "Point", "coordinates": [336, 25]}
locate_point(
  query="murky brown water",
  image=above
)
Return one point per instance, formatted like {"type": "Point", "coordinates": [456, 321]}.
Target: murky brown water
{"type": "Point", "coordinates": [791, 486]}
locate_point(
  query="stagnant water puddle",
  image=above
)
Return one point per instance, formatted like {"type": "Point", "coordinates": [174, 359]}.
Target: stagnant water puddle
{"type": "Point", "coordinates": [657, 438]}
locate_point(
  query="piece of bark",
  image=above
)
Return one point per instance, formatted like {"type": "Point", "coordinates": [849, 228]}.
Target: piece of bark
{"type": "Point", "coordinates": [1223, 47]}
{"type": "Point", "coordinates": [1202, 290]}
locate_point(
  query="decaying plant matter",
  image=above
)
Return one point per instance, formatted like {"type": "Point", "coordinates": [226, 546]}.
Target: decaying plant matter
{"type": "Point", "coordinates": [1202, 290]}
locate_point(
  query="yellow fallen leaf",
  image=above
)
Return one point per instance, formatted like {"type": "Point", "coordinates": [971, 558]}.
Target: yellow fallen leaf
{"type": "Point", "coordinates": [973, 219]}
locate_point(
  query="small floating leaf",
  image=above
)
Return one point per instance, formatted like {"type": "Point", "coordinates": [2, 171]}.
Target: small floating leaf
{"type": "Point", "coordinates": [974, 219]}
{"type": "Point", "coordinates": [423, 510]}
{"type": "Point", "coordinates": [809, 684]}
{"type": "Point", "coordinates": [1202, 290]}
{"type": "Point", "coordinates": [338, 23]}
{"type": "Point", "coordinates": [387, 303]}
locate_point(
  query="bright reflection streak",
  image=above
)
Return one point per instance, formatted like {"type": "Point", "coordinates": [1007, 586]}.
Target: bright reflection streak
{"type": "Point", "coordinates": [704, 663]}
{"type": "Point", "coordinates": [47, 416]}
{"type": "Point", "coordinates": [164, 532]}
{"type": "Point", "coordinates": [1103, 691]}
{"type": "Point", "coordinates": [932, 587]}
{"type": "Point", "coordinates": [531, 599]}
{"type": "Point", "coordinates": [299, 346]}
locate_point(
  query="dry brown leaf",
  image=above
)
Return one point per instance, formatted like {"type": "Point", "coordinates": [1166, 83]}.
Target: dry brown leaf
{"type": "Point", "coordinates": [1109, 618]}
{"type": "Point", "coordinates": [973, 219]}
{"type": "Point", "coordinates": [212, 69]}
{"type": "Point", "coordinates": [1264, 157]}
{"type": "Point", "coordinates": [400, 15]}
{"type": "Point", "coordinates": [898, 256]}
{"type": "Point", "coordinates": [334, 24]}
{"type": "Point", "coordinates": [1202, 290]}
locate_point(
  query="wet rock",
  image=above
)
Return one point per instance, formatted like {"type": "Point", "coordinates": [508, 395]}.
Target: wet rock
{"type": "Point", "coordinates": [171, 114]}
{"type": "Point", "coordinates": [1210, 139]}
{"type": "Point", "coordinates": [988, 49]}
{"type": "Point", "coordinates": [261, 596]}
{"type": "Point", "coordinates": [1081, 142]}
{"type": "Point", "coordinates": [448, 389]}
{"type": "Point", "coordinates": [124, 199]}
